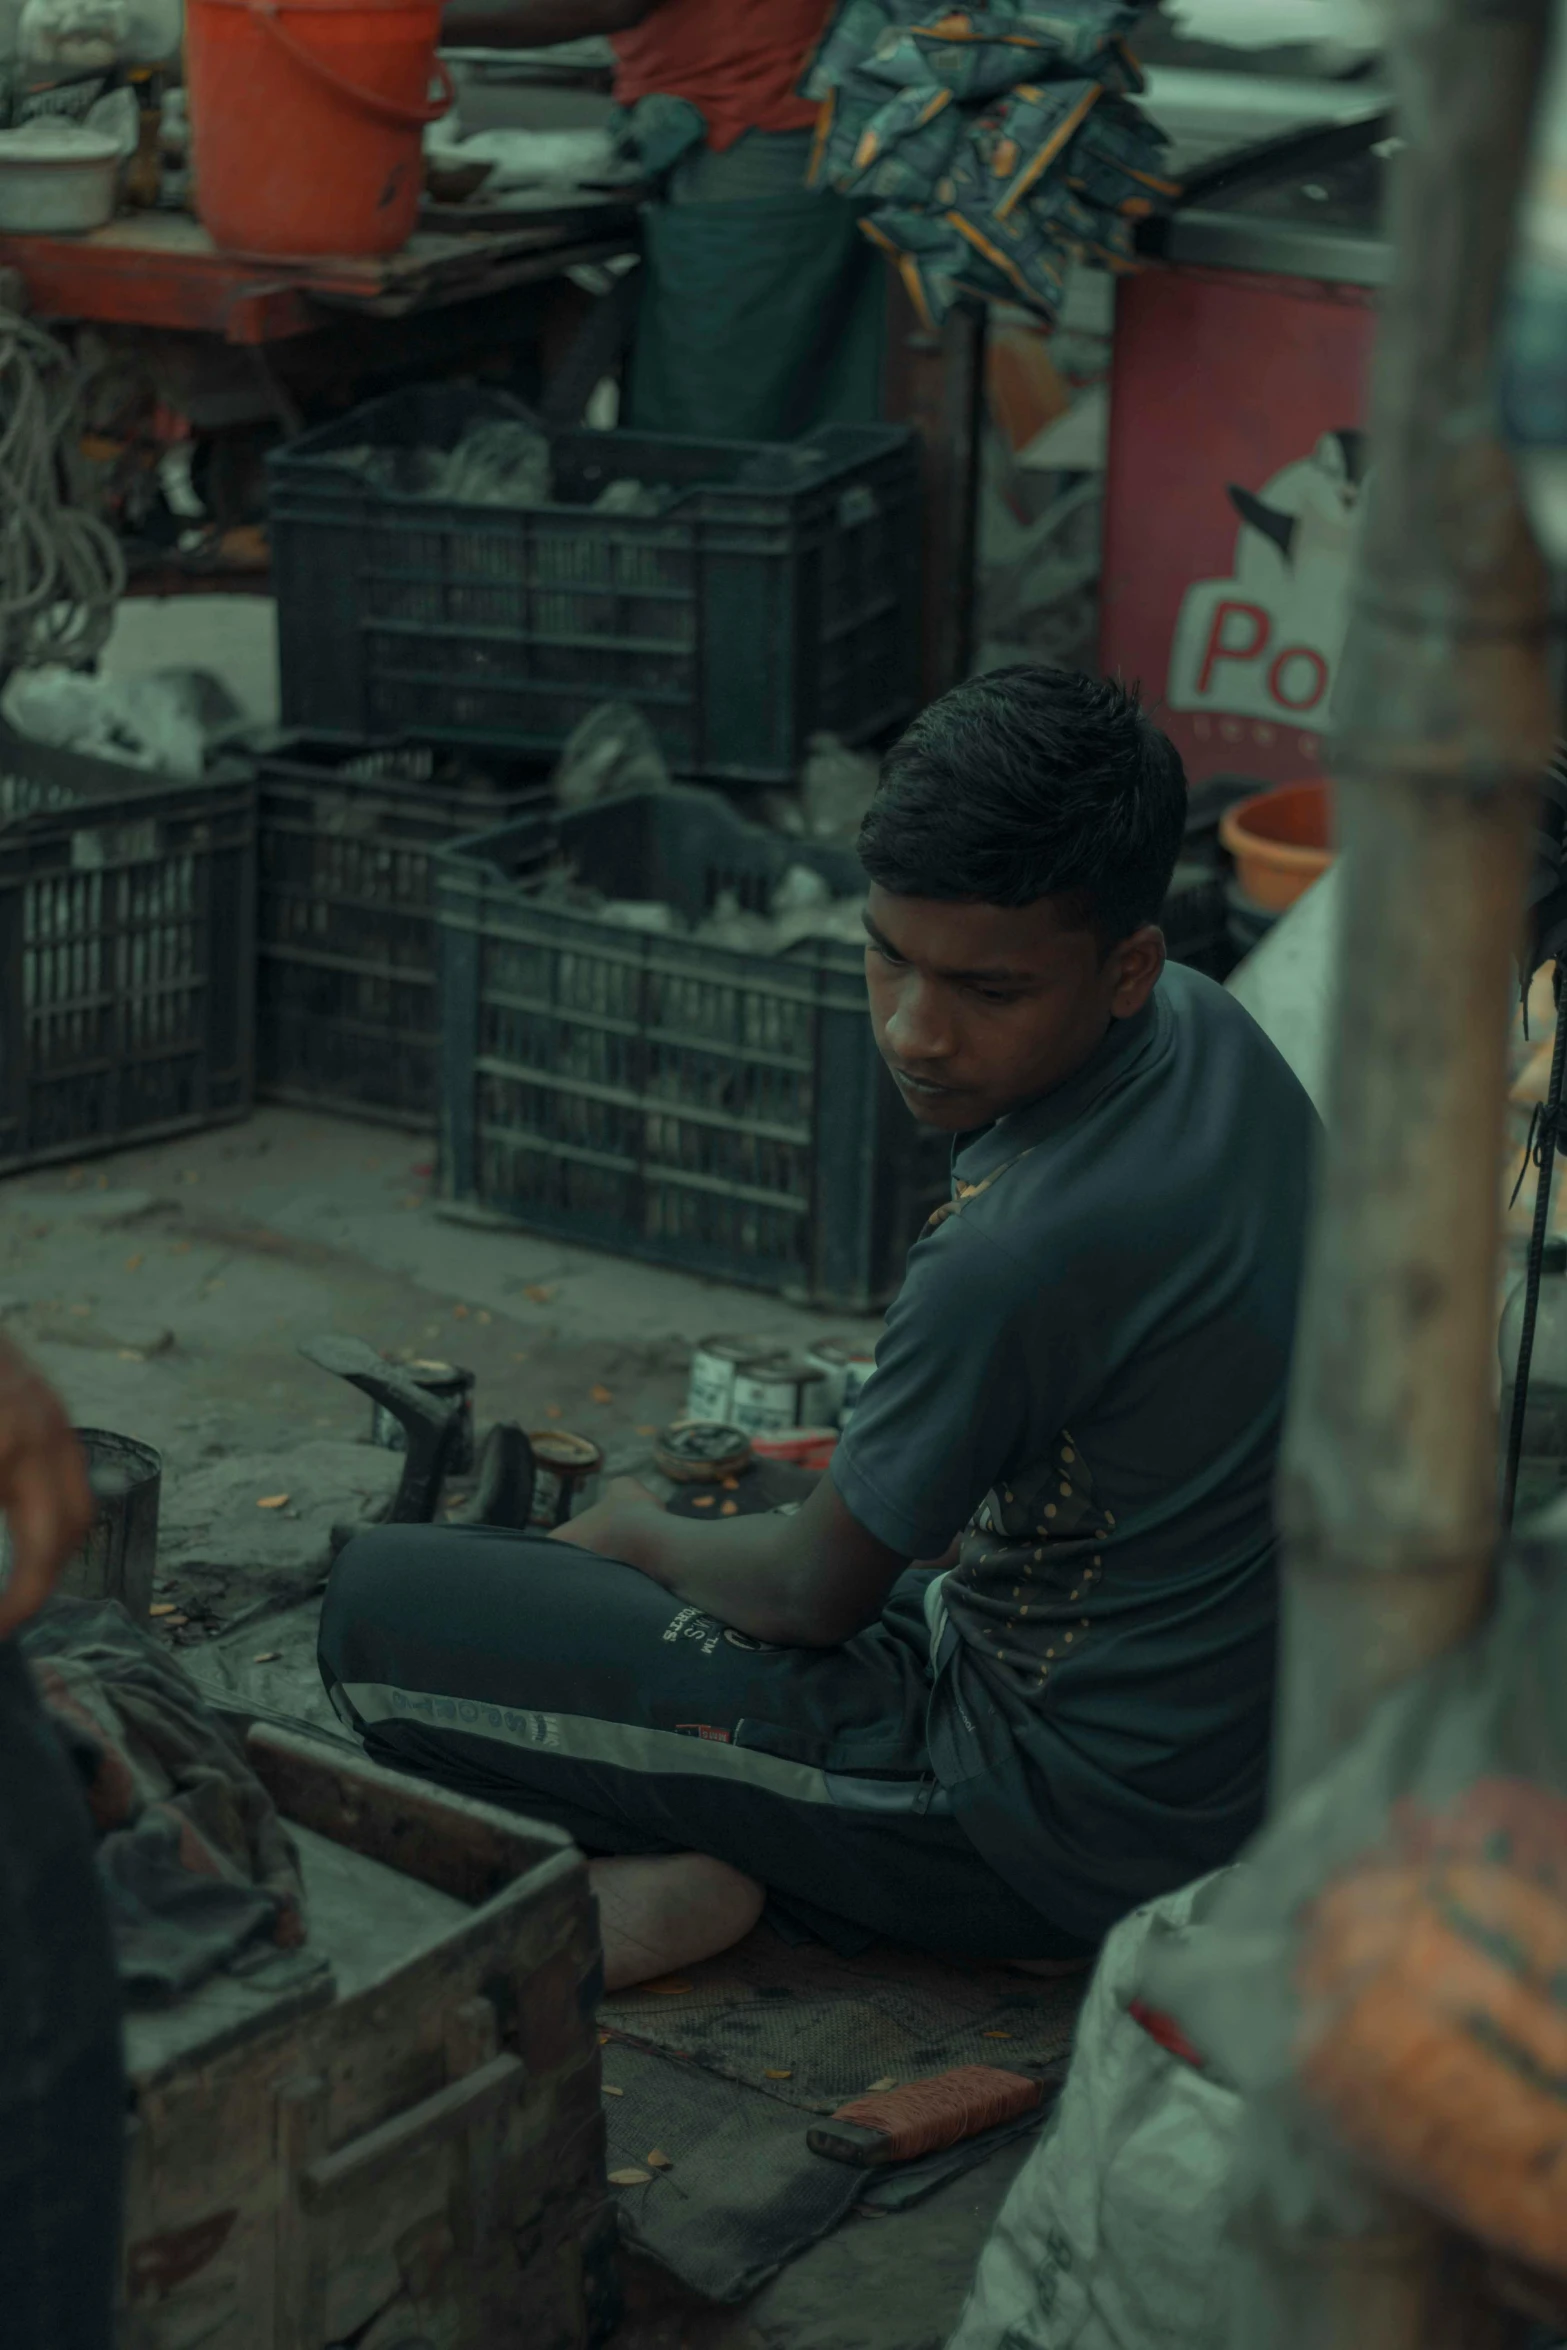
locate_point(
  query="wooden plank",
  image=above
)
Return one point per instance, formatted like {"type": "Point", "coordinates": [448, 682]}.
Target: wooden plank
{"type": "Point", "coordinates": [427, 2150]}
{"type": "Point", "coordinates": [158, 269]}
{"type": "Point", "coordinates": [83, 278]}
{"type": "Point", "coordinates": [301, 2282]}
{"type": "Point", "coordinates": [334, 2179]}
{"type": "Point", "coordinates": [468, 1849]}
{"type": "Point", "coordinates": [490, 272]}
{"type": "Point", "coordinates": [226, 2011]}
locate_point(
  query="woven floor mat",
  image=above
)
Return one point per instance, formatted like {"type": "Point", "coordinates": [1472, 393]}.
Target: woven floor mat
{"type": "Point", "coordinates": [813, 2029]}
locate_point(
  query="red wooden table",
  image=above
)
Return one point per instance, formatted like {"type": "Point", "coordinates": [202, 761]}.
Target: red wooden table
{"type": "Point", "coordinates": [162, 270]}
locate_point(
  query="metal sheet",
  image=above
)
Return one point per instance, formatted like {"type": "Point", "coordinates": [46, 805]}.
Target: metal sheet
{"type": "Point", "coordinates": [1232, 507]}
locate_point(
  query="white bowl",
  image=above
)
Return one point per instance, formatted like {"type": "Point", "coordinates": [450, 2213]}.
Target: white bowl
{"type": "Point", "coordinates": [56, 179]}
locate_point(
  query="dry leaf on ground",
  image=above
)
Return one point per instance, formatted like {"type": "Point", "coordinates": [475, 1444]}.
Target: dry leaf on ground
{"type": "Point", "coordinates": [658, 2161]}
{"type": "Point", "coordinates": [602, 1394]}
{"type": "Point", "coordinates": [268, 1656]}
{"type": "Point", "coordinates": [630, 2178]}
{"type": "Point", "coordinates": [610, 2089]}
{"type": "Point", "coordinates": [539, 1293]}
{"type": "Point", "coordinates": [272, 1501]}
{"type": "Point", "coordinates": [887, 2081]}
{"type": "Point", "coordinates": [772, 2075]}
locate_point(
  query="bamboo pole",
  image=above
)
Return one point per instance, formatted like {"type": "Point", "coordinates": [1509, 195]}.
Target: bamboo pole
{"type": "Point", "coordinates": [1389, 1481]}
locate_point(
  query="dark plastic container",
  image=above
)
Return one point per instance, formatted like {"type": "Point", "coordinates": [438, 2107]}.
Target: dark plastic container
{"type": "Point", "coordinates": [744, 616]}
{"type": "Point", "coordinates": [347, 831]}
{"type": "Point", "coordinates": [661, 1096]}
{"type": "Point", "coordinates": [120, 1556]}
{"type": "Point", "coordinates": [127, 952]}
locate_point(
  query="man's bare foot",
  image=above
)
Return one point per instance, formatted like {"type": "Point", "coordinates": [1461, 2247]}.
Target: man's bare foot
{"type": "Point", "coordinates": [669, 1911]}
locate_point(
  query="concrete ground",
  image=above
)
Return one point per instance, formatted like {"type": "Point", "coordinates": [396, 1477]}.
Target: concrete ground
{"type": "Point", "coordinates": [166, 1292]}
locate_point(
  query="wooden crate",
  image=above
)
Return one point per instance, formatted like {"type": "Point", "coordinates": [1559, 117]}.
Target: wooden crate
{"type": "Point", "coordinates": [408, 2152]}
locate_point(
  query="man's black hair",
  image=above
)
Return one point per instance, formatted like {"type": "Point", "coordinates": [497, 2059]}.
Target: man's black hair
{"type": "Point", "coordinates": [1032, 783]}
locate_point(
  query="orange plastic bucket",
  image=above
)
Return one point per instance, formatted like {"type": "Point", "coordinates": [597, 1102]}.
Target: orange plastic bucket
{"type": "Point", "coordinates": [308, 119]}
{"type": "Point", "coordinates": [1281, 842]}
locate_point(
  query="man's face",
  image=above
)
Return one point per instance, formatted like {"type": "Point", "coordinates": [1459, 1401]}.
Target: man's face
{"type": "Point", "coordinates": [978, 1008]}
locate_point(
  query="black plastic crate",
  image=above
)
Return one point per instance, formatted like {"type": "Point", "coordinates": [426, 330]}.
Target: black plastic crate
{"type": "Point", "coordinates": [127, 952]}
{"type": "Point", "coordinates": [346, 1013]}
{"type": "Point", "coordinates": [740, 619]}
{"type": "Point", "coordinates": [665, 1097]}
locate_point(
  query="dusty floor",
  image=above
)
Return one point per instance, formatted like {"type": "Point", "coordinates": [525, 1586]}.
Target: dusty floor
{"type": "Point", "coordinates": [168, 1289]}
{"type": "Point", "coordinates": [166, 1292]}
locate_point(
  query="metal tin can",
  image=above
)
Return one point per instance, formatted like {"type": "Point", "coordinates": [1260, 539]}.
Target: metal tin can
{"type": "Point", "coordinates": [445, 1380]}
{"type": "Point", "coordinates": [781, 1392]}
{"type": "Point", "coordinates": [710, 1393]}
{"type": "Point", "coordinates": [798, 1448]}
{"type": "Point", "coordinates": [831, 1357]}
{"type": "Point", "coordinates": [562, 1465]}
{"type": "Point", "coordinates": [858, 1374]}
{"type": "Point", "coordinates": [119, 1556]}
{"type": "Point", "coordinates": [701, 1452]}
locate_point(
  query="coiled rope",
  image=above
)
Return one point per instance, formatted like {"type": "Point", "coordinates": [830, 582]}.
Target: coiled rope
{"type": "Point", "coordinates": [61, 569]}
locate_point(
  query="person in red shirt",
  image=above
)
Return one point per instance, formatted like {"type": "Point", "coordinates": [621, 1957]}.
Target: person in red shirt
{"type": "Point", "coordinates": [762, 306]}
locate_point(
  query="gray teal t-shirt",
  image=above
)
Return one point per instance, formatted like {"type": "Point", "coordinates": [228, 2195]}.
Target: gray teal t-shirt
{"type": "Point", "coordinates": [1085, 1373]}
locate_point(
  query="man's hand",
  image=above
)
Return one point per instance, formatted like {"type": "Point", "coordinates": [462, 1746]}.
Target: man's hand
{"type": "Point", "coordinates": [808, 1581]}
{"type": "Point", "coordinates": [44, 1494]}
{"type": "Point", "coordinates": [625, 1523]}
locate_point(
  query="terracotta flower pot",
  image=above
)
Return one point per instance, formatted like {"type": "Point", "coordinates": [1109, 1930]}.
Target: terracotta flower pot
{"type": "Point", "coordinates": [1280, 842]}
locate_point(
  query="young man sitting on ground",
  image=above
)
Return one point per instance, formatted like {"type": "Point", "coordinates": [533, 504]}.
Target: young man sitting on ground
{"type": "Point", "coordinates": [1082, 1378]}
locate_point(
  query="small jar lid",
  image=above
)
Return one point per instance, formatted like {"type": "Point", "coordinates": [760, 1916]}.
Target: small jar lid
{"type": "Point", "coordinates": [567, 1454]}
{"type": "Point", "coordinates": [702, 1452]}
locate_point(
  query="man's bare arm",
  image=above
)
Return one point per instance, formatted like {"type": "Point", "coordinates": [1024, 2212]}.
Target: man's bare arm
{"type": "Point", "coordinates": [807, 1581]}
{"type": "Point", "coordinates": [44, 1494]}
{"type": "Point", "coordinates": [536, 24]}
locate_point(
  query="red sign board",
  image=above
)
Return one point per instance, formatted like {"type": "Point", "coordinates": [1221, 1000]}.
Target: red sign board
{"type": "Point", "coordinates": [1233, 504]}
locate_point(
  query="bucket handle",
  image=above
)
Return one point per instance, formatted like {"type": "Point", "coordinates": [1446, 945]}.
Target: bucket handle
{"type": "Point", "coordinates": [409, 118]}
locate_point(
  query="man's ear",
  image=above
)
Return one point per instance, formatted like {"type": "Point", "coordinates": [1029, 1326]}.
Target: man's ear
{"type": "Point", "coordinates": [1139, 959]}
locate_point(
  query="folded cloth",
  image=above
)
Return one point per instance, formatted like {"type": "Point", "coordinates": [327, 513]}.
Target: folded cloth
{"type": "Point", "coordinates": [195, 1862]}
{"type": "Point", "coordinates": [990, 148]}
{"type": "Point", "coordinates": [655, 133]}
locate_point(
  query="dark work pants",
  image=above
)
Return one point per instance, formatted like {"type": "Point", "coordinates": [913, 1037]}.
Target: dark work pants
{"type": "Point", "coordinates": [763, 307]}
{"type": "Point", "coordinates": [62, 2098]}
{"type": "Point", "coordinates": [572, 1687]}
